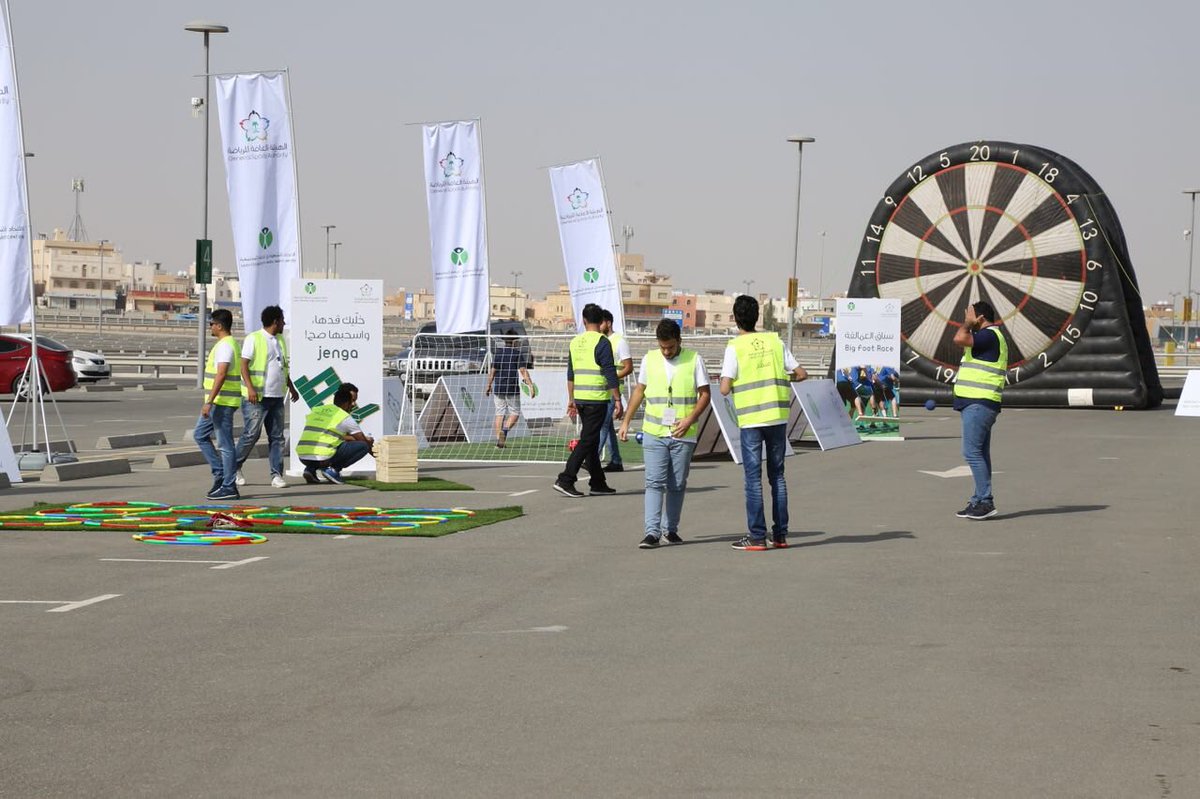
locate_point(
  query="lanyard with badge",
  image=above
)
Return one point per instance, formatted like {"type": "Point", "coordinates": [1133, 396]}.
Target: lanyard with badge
{"type": "Point", "coordinates": [669, 415]}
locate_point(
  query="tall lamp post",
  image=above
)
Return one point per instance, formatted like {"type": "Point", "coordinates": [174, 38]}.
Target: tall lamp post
{"type": "Point", "coordinates": [1187, 298]}
{"type": "Point", "coordinates": [327, 229]}
{"type": "Point", "coordinates": [336, 244]}
{"type": "Point", "coordinates": [821, 273]}
{"type": "Point", "coordinates": [206, 28]}
{"type": "Point", "coordinates": [748, 284]}
{"type": "Point", "coordinates": [100, 294]}
{"type": "Point", "coordinates": [799, 141]}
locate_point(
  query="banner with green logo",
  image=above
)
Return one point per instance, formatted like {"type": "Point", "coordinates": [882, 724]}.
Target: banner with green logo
{"type": "Point", "coordinates": [457, 225]}
{"type": "Point", "coordinates": [260, 173]}
{"type": "Point", "coordinates": [15, 294]}
{"type": "Point", "coordinates": [580, 208]}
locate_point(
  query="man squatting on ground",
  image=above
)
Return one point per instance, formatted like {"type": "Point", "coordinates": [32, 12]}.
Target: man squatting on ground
{"type": "Point", "coordinates": [623, 359]}
{"type": "Point", "coordinates": [332, 439]}
{"type": "Point", "coordinates": [591, 381]}
{"type": "Point", "coordinates": [756, 370]}
{"type": "Point", "coordinates": [674, 384]}
{"type": "Point", "coordinates": [504, 384]}
{"type": "Point", "coordinates": [222, 396]}
{"type": "Point", "coordinates": [264, 374]}
{"type": "Point", "coordinates": [977, 396]}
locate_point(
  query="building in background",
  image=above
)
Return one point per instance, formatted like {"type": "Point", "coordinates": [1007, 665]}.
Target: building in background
{"type": "Point", "coordinates": [644, 292]}
{"type": "Point", "coordinates": [555, 311]}
{"type": "Point", "coordinates": [81, 276]}
{"type": "Point", "coordinates": [508, 302]}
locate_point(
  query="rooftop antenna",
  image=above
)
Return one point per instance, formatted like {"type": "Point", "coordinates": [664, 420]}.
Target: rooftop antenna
{"type": "Point", "coordinates": [627, 232]}
{"type": "Point", "coordinates": [77, 232]}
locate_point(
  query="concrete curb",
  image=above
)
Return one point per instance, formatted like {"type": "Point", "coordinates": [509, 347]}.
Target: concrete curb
{"type": "Point", "coordinates": [55, 446]}
{"type": "Point", "coordinates": [92, 389]}
{"type": "Point", "coordinates": [177, 460]}
{"type": "Point", "coordinates": [157, 387]}
{"type": "Point", "coordinates": [131, 440]}
{"type": "Point", "coordinates": [62, 472]}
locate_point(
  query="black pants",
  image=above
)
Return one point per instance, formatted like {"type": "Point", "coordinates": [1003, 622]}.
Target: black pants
{"type": "Point", "coordinates": [587, 451]}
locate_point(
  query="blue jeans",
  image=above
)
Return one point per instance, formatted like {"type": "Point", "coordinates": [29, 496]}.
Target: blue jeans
{"type": "Point", "coordinates": [221, 459]}
{"type": "Point", "coordinates": [348, 453]}
{"type": "Point", "coordinates": [977, 421]}
{"type": "Point", "coordinates": [668, 461]}
{"type": "Point", "coordinates": [608, 437]}
{"type": "Point", "coordinates": [753, 438]}
{"type": "Point", "coordinates": [268, 410]}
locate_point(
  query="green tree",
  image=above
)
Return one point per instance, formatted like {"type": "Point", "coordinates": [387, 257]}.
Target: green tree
{"type": "Point", "coordinates": [769, 323]}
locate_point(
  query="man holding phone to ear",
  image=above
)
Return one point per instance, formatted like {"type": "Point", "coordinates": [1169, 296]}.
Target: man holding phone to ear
{"type": "Point", "coordinates": [977, 396]}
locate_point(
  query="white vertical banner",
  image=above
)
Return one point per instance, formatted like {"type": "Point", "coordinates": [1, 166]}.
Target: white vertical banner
{"type": "Point", "coordinates": [868, 332]}
{"type": "Point", "coordinates": [457, 225]}
{"type": "Point", "coordinates": [588, 255]}
{"type": "Point", "coordinates": [260, 171]}
{"type": "Point", "coordinates": [14, 204]}
{"type": "Point", "coordinates": [335, 336]}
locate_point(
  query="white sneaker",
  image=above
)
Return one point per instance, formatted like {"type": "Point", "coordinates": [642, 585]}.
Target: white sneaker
{"type": "Point", "coordinates": [278, 482]}
{"type": "Point", "coordinates": [240, 480]}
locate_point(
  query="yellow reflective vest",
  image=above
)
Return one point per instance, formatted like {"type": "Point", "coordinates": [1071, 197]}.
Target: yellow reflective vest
{"type": "Point", "coordinates": [679, 394]}
{"type": "Point", "coordinates": [231, 391]}
{"type": "Point", "coordinates": [984, 380]}
{"type": "Point", "coordinates": [589, 378]}
{"type": "Point", "coordinates": [258, 364]}
{"type": "Point", "coordinates": [761, 395]}
{"type": "Point", "coordinates": [320, 437]}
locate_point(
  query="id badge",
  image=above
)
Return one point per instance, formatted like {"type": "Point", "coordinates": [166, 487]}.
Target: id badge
{"type": "Point", "coordinates": [668, 417]}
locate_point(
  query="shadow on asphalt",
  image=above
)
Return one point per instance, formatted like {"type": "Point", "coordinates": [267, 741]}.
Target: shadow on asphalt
{"type": "Point", "coordinates": [871, 538]}
{"type": "Point", "coordinates": [1051, 511]}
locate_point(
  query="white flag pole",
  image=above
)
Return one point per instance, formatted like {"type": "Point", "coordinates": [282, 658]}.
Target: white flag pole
{"type": "Point", "coordinates": [34, 368]}
{"type": "Point", "coordinates": [619, 316]}
{"type": "Point", "coordinates": [287, 81]}
{"type": "Point", "coordinates": [487, 277]}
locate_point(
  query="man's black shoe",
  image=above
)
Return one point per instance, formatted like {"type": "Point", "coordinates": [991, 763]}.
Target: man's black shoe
{"type": "Point", "coordinates": [614, 467]}
{"type": "Point", "coordinates": [673, 538]}
{"type": "Point", "coordinates": [568, 491]}
{"type": "Point", "coordinates": [649, 542]}
{"type": "Point", "coordinates": [602, 491]}
{"type": "Point", "coordinates": [966, 512]}
{"type": "Point", "coordinates": [982, 510]}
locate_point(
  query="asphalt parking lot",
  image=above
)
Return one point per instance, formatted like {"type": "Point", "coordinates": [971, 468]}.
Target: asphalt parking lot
{"type": "Point", "coordinates": [895, 651]}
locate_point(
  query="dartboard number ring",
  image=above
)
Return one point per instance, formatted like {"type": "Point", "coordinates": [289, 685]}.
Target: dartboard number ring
{"type": "Point", "coordinates": [994, 221]}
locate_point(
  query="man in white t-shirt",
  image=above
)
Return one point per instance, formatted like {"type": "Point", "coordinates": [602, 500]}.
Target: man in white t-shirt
{"type": "Point", "coordinates": [674, 384]}
{"type": "Point", "coordinates": [756, 370]}
{"type": "Point", "coordinates": [624, 361]}
{"type": "Point", "coordinates": [222, 396]}
{"type": "Point", "coordinates": [264, 369]}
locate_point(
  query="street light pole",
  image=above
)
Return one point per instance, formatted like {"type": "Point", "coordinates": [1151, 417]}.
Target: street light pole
{"type": "Point", "coordinates": [327, 229]}
{"type": "Point", "coordinates": [1187, 317]}
{"type": "Point", "coordinates": [100, 294]}
{"type": "Point", "coordinates": [516, 278]}
{"type": "Point", "coordinates": [799, 141]}
{"type": "Point", "coordinates": [748, 284]}
{"type": "Point", "coordinates": [821, 274]}
{"type": "Point", "coordinates": [336, 244]}
{"type": "Point", "coordinates": [207, 28]}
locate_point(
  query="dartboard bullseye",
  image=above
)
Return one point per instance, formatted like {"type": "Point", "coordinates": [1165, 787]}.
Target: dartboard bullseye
{"type": "Point", "coordinates": [992, 221]}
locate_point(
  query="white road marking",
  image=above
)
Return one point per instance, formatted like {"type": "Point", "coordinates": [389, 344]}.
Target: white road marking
{"type": "Point", "coordinates": [339, 537]}
{"type": "Point", "coordinates": [957, 471]}
{"type": "Point", "coordinates": [554, 628]}
{"type": "Point", "coordinates": [67, 608]}
{"type": "Point", "coordinates": [221, 564]}
{"type": "Point", "coordinates": [523, 493]}
{"type": "Point", "coordinates": [64, 606]}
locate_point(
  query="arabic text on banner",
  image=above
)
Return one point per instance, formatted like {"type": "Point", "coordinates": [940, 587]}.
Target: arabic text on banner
{"type": "Point", "coordinates": [457, 226]}
{"type": "Point", "coordinates": [256, 140]}
{"type": "Point", "coordinates": [868, 332]}
{"type": "Point", "coordinates": [587, 246]}
{"type": "Point", "coordinates": [14, 216]}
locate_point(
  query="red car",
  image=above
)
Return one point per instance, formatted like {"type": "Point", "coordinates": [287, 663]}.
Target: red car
{"type": "Point", "coordinates": [14, 356]}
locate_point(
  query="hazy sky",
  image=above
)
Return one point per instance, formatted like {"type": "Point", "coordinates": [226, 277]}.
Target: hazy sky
{"type": "Point", "coordinates": [688, 104]}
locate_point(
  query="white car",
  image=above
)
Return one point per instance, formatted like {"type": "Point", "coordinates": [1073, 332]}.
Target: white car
{"type": "Point", "coordinates": [89, 367]}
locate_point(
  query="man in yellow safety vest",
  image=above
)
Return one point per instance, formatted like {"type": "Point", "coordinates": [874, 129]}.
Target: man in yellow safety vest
{"type": "Point", "coordinates": [591, 382]}
{"type": "Point", "coordinates": [265, 378]}
{"type": "Point", "coordinates": [756, 370]}
{"type": "Point", "coordinates": [674, 384]}
{"type": "Point", "coordinates": [977, 396]}
{"type": "Point", "coordinates": [222, 396]}
{"type": "Point", "coordinates": [331, 439]}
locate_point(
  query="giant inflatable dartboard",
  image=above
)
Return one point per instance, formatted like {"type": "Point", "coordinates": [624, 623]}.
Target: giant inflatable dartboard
{"type": "Point", "coordinates": [1027, 230]}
